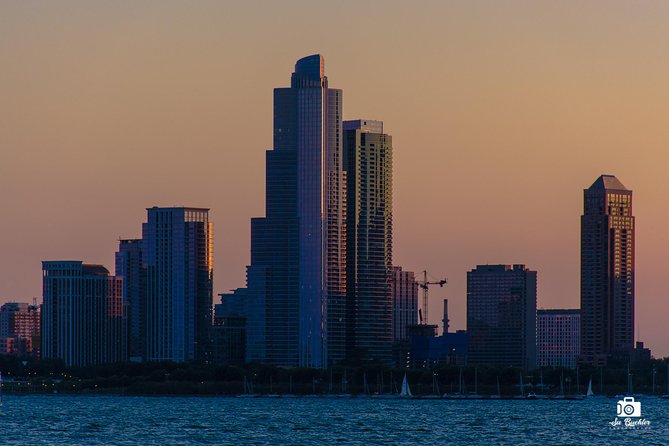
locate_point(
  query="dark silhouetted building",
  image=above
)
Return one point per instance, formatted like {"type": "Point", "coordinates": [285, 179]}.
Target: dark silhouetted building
{"type": "Point", "coordinates": [501, 315]}
{"type": "Point", "coordinates": [129, 266]}
{"type": "Point", "coordinates": [248, 304]}
{"type": "Point", "coordinates": [607, 271]}
{"type": "Point", "coordinates": [558, 337]}
{"type": "Point", "coordinates": [428, 351]}
{"type": "Point", "coordinates": [178, 258]}
{"type": "Point", "coordinates": [82, 315]}
{"type": "Point", "coordinates": [298, 258]}
{"type": "Point", "coordinates": [228, 339]}
{"type": "Point", "coordinates": [368, 165]}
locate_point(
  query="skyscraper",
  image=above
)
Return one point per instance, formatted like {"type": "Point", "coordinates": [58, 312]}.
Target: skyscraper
{"type": "Point", "coordinates": [607, 271]}
{"type": "Point", "coordinates": [298, 249]}
{"type": "Point", "coordinates": [404, 291]}
{"type": "Point", "coordinates": [129, 266]}
{"type": "Point", "coordinates": [82, 314]}
{"type": "Point", "coordinates": [178, 250]}
{"type": "Point", "coordinates": [501, 315]}
{"type": "Point", "coordinates": [368, 165]}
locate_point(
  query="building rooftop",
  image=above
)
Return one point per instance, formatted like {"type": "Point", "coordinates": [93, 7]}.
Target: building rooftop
{"type": "Point", "coordinates": [608, 182]}
{"type": "Point", "coordinates": [312, 66]}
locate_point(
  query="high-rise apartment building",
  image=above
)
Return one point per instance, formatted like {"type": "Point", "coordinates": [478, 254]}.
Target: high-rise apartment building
{"type": "Point", "coordinates": [178, 258]}
{"type": "Point", "coordinates": [558, 337]}
{"type": "Point", "coordinates": [298, 248]}
{"type": "Point", "coordinates": [607, 271]}
{"type": "Point", "coordinates": [83, 322]}
{"type": "Point", "coordinates": [129, 266]}
{"type": "Point", "coordinates": [20, 329]}
{"type": "Point", "coordinates": [501, 315]}
{"type": "Point", "coordinates": [404, 290]}
{"type": "Point", "coordinates": [368, 166]}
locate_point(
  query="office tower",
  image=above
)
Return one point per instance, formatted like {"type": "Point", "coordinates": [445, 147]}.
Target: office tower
{"type": "Point", "coordinates": [82, 314]}
{"type": "Point", "coordinates": [129, 266]}
{"type": "Point", "coordinates": [298, 249]}
{"type": "Point", "coordinates": [178, 250]}
{"type": "Point", "coordinates": [558, 337]}
{"type": "Point", "coordinates": [404, 291]}
{"type": "Point", "coordinates": [369, 219]}
{"type": "Point", "coordinates": [501, 315]}
{"type": "Point", "coordinates": [20, 329]}
{"type": "Point", "coordinates": [607, 271]}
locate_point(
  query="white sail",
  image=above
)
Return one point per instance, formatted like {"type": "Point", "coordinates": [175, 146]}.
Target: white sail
{"type": "Point", "coordinates": [590, 392]}
{"type": "Point", "coordinates": [406, 391]}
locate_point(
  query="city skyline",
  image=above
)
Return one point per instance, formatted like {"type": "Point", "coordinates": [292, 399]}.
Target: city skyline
{"type": "Point", "coordinates": [69, 140]}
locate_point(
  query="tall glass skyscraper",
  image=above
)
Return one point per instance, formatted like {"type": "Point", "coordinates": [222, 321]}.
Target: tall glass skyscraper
{"type": "Point", "coordinates": [178, 257]}
{"type": "Point", "coordinates": [368, 165]}
{"type": "Point", "coordinates": [299, 247]}
{"type": "Point", "coordinates": [607, 271]}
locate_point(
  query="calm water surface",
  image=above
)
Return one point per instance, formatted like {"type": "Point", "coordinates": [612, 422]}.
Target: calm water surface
{"type": "Point", "coordinates": [97, 420]}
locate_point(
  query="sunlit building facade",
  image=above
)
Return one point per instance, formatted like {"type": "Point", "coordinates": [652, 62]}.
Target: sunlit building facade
{"type": "Point", "coordinates": [178, 258]}
{"type": "Point", "coordinates": [20, 329]}
{"type": "Point", "coordinates": [368, 165]}
{"type": "Point", "coordinates": [607, 271]}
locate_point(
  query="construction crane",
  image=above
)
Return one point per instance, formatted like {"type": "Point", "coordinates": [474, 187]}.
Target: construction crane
{"type": "Point", "coordinates": [425, 284]}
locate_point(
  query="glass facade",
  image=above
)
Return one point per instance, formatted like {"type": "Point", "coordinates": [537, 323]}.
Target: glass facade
{"type": "Point", "coordinates": [298, 250]}
{"type": "Point", "coordinates": [368, 165]}
{"type": "Point", "coordinates": [178, 258]}
{"type": "Point", "coordinates": [83, 319]}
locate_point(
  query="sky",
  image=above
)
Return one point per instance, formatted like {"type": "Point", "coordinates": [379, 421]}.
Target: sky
{"type": "Point", "coordinates": [501, 114]}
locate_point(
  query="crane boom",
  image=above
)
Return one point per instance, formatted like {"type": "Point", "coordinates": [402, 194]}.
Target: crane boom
{"type": "Point", "coordinates": [425, 284]}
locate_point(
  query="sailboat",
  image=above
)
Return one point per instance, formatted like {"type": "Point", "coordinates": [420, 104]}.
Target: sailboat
{"type": "Point", "coordinates": [406, 391]}
{"type": "Point", "coordinates": [666, 395]}
{"type": "Point", "coordinates": [590, 392]}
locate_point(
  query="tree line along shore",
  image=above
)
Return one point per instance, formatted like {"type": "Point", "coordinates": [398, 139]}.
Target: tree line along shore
{"type": "Point", "coordinates": [25, 376]}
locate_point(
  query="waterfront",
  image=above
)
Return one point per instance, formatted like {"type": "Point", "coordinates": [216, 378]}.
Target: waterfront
{"type": "Point", "coordinates": [96, 420]}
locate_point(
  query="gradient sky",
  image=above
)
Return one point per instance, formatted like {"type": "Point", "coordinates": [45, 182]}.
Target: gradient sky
{"type": "Point", "coordinates": [501, 114]}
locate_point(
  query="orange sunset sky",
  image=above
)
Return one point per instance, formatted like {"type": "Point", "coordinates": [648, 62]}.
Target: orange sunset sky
{"type": "Point", "coordinates": [501, 114]}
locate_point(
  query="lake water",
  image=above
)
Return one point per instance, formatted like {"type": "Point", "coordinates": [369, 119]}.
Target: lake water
{"type": "Point", "coordinates": [93, 420]}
